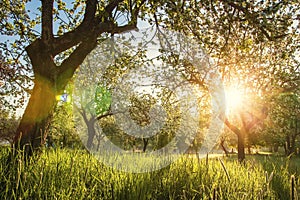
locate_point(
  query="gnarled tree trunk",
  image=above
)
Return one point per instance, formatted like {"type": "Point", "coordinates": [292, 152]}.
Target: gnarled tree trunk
{"type": "Point", "coordinates": [32, 130]}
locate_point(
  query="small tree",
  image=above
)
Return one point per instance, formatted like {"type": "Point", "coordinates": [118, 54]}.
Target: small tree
{"type": "Point", "coordinates": [284, 121]}
{"type": "Point", "coordinates": [62, 132]}
{"type": "Point", "coordinates": [8, 125]}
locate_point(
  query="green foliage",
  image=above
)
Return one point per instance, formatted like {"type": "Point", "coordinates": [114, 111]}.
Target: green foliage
{"type": "Point", "coordinates": [139, 112]}
{"type": "Point", "coordinates": [8, 126]}
{"type": "Point", "coordinates": [282, 126]}
{"type": "Point", "coordinates": [17, 30]}
{"type": "Point", "coordinates": [285, 113]}
{"type": "Point", "coordinates": [102, 100]}
{"type": "Point", "coordinates": [62, 132]}
{"type": "Point", "coordinates": [74, 174]}
{"type": "Point", "coordinates": [140, 108]}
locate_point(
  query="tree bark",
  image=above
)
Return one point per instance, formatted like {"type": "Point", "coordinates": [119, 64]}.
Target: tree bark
{"type": "Point", "coordinates": [145, 142]}
{"type": "Point", "coordinates": [91, 133]}
{"type": "Point", "coordinates": [241, 146]}
{"type": "Point", "coordinates": [32, 130]}
{"type": "Point", "coordinates": [241, 139]}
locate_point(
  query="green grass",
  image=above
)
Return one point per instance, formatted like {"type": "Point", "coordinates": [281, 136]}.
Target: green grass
{"type": "Point", "coordinates": [75, 174]}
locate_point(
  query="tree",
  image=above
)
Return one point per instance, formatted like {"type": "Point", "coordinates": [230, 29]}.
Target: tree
{"type": "Point", "coordinates": [93, 85]}
{"type": "Point", "coordinates": [254, 43]}
{"type": "Point", "coordinates": [283, 122]}
{"type": "Point", "coordinates": [228, 30]}
{"type": "Point", "coordinates": [139, 111]}
{"type": "Point", "coordinates": [93, 111]}
{"type": "Point", "coordinates": [8, 126]}
{"type": "Point", "coordinates": [62, 130]}
{"type": "Point", "coordinates": [50, 78]}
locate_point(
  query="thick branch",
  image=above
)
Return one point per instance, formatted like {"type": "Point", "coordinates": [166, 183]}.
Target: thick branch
{"type": "Point", "coordinates": [252, 123]}
{"type": "Point", "coordinates": [72, 38]}
{"type": "Point", "coordinates": [90, 11]}
{"type": "Point", "coordinates": [89, 24]}
{"type": "Point", "coordinates": [68, 40]}
{"type": "Point", "coordinates": [254, 119]}
{"type": "Point", "coordinates": [47, 20]}
{"type": "Point", "coordinates": [122, 29]}
{"type": "Point", "coordinates": [83, 114]}
{"type": "Point", "coordinates": [85, 47]}
{"type": "Point", "coordinates": [112, 5]}
{"type": "Point", "coordinates": [232, 127]}
{"type": "Point", "coordinates": [104, 115]}
{"type": "Point", "coordinates": [71, 63]}
{"type": "Point", "coordinates": [136, 10]}
{"type": "Point", "coordinates": [76, 36]}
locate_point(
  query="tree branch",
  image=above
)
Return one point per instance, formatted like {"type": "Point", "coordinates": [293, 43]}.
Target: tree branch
{"type": "Point", "coordinates": [254, 119]}
{"type": "Point", "coordinates": [88, 26]}
{"type": "Point", "coordinates": [104, 115]}
{"type": "Point", "coordinates": [68, 40]}
{"type": "Point", "coordinates": [47, 21]}
{"type": "Point", "coordinates": [90, 11]}
{"type": "Point", "coordinates": [70, 64]}
{"type": "Point", "coordinates": [86, 36]}
{"type": "Point", "coordinates": [122, 29]}
{"type": "Point", "coordinates": [112, 5]}
{"type": "Point", "coordinates": [252, 18]}
{"type": "Point", "coordinates": [232, 127]}
{"type": "Point", "coordinates": [136, 10]}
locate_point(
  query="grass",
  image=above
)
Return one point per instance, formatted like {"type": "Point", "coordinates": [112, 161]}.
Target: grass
{"type": "Point", "coordinates": [75, 174]}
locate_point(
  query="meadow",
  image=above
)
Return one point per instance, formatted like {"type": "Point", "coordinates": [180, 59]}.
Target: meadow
{"type": "Point", "coordinates": [75, 174]}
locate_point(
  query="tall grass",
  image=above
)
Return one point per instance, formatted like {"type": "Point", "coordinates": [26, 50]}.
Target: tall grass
{"type": "Point", "coordinates": [75, 174]}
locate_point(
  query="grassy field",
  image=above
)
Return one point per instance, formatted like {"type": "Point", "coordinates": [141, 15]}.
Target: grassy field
{"type": "Point", "coordinates": [74, 174]}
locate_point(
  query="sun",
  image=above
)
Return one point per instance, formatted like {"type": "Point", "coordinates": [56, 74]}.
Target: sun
{"type": "Point", "coordinates": [234, 99]}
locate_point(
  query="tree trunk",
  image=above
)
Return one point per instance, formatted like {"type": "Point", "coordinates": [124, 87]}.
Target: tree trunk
{"type": "Point", "coordinates": [275, 147]}
{"type": "Point", "coordinates": [145, 142]}
{"type": "Point", "coordinates": [285, 148]}
{"type": "Point", "coordinates": [91, 133]}
{"type": "Point", "coordinates": [32, 130]}
{"type": "Point", "coordinates": [241, 147]}
{"type": "Point", "coordinates": [241, 139]}
{"type": "Point", "coordinates": [293, 144]}
{"type": "Point", "coordinates": [290, 144]}
{"type": "Point", "coordinates": [90, 124]}
{"type": "Point", "coordinates": [223, 147]}
{"type": "Point", "coordinates": [249, 149]}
